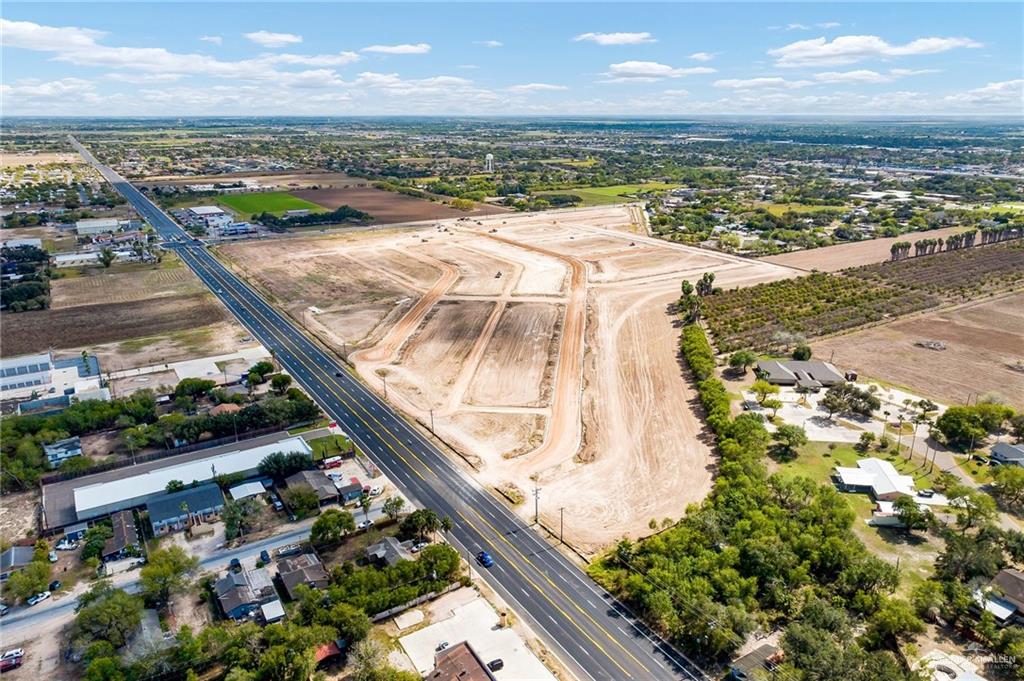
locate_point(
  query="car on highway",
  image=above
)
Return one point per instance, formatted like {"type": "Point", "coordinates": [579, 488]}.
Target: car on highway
{"type": "Point", "coordinates": [338, 374]}
{"type": "Point", "coordinates": [38, 598]}
{"type": "Point", "coordinates": [484, 559]}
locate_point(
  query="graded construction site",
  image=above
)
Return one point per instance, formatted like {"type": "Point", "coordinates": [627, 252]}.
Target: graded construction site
{"type": "Point", "coordinates": [543, 347]}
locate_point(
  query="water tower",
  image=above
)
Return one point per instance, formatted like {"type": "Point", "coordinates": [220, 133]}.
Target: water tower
{"type": "Point", "coordinates": [489, 163]}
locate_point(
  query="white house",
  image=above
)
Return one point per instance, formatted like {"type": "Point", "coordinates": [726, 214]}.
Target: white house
{"type": "Point", "coordinates": [882, 481]}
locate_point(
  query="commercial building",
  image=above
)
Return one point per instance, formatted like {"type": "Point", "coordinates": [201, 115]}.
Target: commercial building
{"type": "Point", "coordinates": [303, 569]}
{"type": "Point", "coordinates": [25, 371]}
{"type": "Point", "coordinates": [95, 226]}
{"type": "Point", "coordinates": [20, 243]}
{"type": "Point", "coordinates": [811, 374]}
{"type": "Point", "coordinates": [92, 501]}
{"type": "Point", "coordinates": [210, 217]}
{"type": "Point", "coordinates": [61, 450]}
{"type": "Point", "coordinates": [88, 258]}
{"type": "Point", "coordinates": [236, 229]}
{"type": "Point", "coordinates": [186, 508]}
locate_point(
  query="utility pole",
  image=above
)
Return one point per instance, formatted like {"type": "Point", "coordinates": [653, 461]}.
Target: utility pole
{"type": "Point", "coordinates": [561, 524]}
{"type": "Point", "coordinates": [536, 503]}
{"type": "Point", "coordinates": [385, 379]}
{"type": "Point", "coordinates": [431, 420]}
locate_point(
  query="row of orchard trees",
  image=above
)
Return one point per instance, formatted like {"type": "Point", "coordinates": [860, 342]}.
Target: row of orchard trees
{"type": "Point", "coordinates": [989, 235]}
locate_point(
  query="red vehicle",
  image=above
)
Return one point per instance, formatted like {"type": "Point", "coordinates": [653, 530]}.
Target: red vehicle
{"type": "Point", "coordinates": [333, 462]}
{"type": "Point", "coordinates": [10, 663]}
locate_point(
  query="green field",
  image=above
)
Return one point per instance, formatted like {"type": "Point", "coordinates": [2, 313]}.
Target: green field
{"type": "Point", "coordinates": [328, 446]}
{"type": "Point", "coordinates": [619, 193]}
{"type": "Point", "coordinates": [267, 202]}
{"type": "Point", "coordinates": [587, 163]}
{"type": "Point", "coordinates": [778, 209]}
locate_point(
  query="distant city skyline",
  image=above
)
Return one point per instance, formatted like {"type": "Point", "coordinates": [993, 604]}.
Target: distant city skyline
{"type": "Point", "coordinates": [233, 59]}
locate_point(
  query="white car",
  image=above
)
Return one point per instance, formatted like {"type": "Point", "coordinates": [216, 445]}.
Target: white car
{"type": "Point", "coordinates": [10, 654]}
{"type": "Point", "coordinates": [419, 546]}
{"type": "Point", "coordinates": [66, 545]}
{"type": "Point", "coordinates": [38, 598]}
{"type": "Point", "coordinates": [376, 491]}
{"type": "Point", "coordinates": [364, 525]}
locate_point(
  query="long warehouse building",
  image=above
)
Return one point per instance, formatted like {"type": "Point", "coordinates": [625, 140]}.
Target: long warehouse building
{"type": "Point", "coordinates": [103, 498]}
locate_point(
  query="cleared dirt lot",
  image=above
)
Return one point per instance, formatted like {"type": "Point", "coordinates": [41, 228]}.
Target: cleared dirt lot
{"type": "Point", "coordinates": [123, 286]}
{"type": "Point", "coordinates": [563, 369]}
{"type": "Point", "coordinates": [982, 341]}
{"type": "Point", "coordinates": [389, 207]}
{"type": "Point", "coordinates": [841, 256]}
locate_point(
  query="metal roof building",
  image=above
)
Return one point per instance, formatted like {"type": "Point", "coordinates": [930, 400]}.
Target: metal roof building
{"type": "Point", "coordinates": [135, 490]}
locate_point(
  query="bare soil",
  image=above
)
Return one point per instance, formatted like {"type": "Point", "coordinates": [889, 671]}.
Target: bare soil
{"type": "Point", "coordinates": [97, 284]}
{"type": "Point", "coordinates": [8, 160]}
{"type": "Point", "coordinates": [18, 514]}
{"type": "Point", "coordinates": [841, 256]}
{"type": "Point", "coordinates": [389, 207]}
{"type": "Point", "coordinates": [983, 340]}
{"type": "Point", "coordinates": [564, 369]}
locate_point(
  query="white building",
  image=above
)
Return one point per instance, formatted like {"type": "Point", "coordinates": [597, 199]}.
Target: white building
{"type": "Point", "coordinates": [208, 216]}
{"type": "Point", "coordinates": [18, 243]}
{"type": "Point", "coordinates": [86, 258]}
{"type": "Point", "coordinates": [102, 498]}
{"type": "Point", "coordinates": [881, 480]}
{"type": "Point", "coordinates": [94, 226]}
{"type": "Point", "coordinates": [25, 371]}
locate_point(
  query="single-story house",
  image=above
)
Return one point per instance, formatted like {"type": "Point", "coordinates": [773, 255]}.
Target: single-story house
{"type": "Point", "coordinates": [1004, 597]}
{"type": "Point", "coordinates": [349, 491]}
{"type": "Point", "coordinates": [745, 666]}
{"type": "Point", "coordinates": [303, 569]}
{"type": "Point", "coordinates": [175, 511]}
{"type": "Point", "coordinates": [812, 374]}
{"type": "Point", "coordinates": [225, 408]}
{"type": "Point", "coordinates": [242, 593]}
{"type": "Point", "coordinates": [388, 551]}
{"type": "Point", "coordinates": [324, 487]}
{"type": "Point", "coordinates": [460, 662]}
{"type": "Point", "coordinates": [1007, 454]}
{"type": "Point", "coordinates": [126, 536]}
{"type": "Point", "coordinates": [61, 450]}
{"type": "Point", "coordinates": [14, 559]}
{"type": "Point", "coordinates": [876, 477]}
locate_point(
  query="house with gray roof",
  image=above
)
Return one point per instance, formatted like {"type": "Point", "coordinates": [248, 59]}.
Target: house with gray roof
{"type": "Point", "coordinates": [388, 551]}
{"type": "Point", "coordinates": [14, 559]}
{"type": "Point", "coordinates": [812, 374]}
{"type": "Point", "coordinates": [1007, 454]}
{"type": "Point", "coordinates": [242, 593]}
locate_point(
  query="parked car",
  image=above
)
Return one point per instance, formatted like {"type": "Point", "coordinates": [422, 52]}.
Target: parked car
{"type": "Point", "coordinates": [53, 556]}
{"type": "Point", "coordinates": [289, 550]}
{"type": "Point", "coordinates": [4, 609]}
{"type": "Point", "coordinates": [927, 493]}
{"type": "Point", "coordinates": [419, 546]}
{"type": "Point", "coordinates": [485, 559]}
{"type": "Point", "coordinates": [278, 506]}
{"type": "Point", "coordinates": [16, 652]}
{"type": "Point", "coordinates": [495, 665]}
{"type": "Point", "coordinates": [235, 565]}
{"type": "Point", "coordinates": [10, 663]}
{"type": "Point", "coordinates": [265, 557]}
{"type": "Point", "coordinates": [376, 491]}
{"type": "Point", "coordinates": [66, 545]}
{"type": "Point", "coordinates": [364, 524]}
{"type": "Point", "coordinates": [38, 598]}
{"type": "Point", "coordinates": [54, 585]}
{"type": "Point", "coordinates": [441, 646]}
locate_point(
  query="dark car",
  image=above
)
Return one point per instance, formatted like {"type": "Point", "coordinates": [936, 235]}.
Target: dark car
{"type": "Point", "coordinates": [338, 374]}
{"type": "Point", "coordinates": [235, 565]}
{"type": "Point", "coordinates": [485, 559]}
{"type": "Point", "coordinates": [495, 665]}
{"type": "Point", "coordinates": [265, 557]}
{"type": "Point", "coordinates": [54, 585]}
{"type": "Point", "coordinates": [10, 663]}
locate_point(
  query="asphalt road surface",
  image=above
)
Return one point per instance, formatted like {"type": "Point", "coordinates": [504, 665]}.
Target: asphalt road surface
{"type": "Point", "coordinates": [591, 633]}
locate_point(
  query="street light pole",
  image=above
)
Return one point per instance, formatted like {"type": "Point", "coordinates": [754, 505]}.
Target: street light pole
{"type": "Point", "coordinates": [385, 379]}
{"type": "Point", "coordinates": [561, 524]}
{"type": "Point", "coordinates": [536, 503]}
{"type": "Point", "coordinates": [431, 420]}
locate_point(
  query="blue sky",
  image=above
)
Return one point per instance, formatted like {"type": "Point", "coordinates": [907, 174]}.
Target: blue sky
{"type": "Point", "coordinates": [545, 59]}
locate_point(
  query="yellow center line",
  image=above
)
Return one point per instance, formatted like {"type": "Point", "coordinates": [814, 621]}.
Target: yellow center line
{"type": "Point", "coordinates": [330, 378]}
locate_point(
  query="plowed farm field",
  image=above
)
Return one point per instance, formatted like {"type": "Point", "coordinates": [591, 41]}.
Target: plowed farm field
{"type": "Point", "coordinates": [541, 347]}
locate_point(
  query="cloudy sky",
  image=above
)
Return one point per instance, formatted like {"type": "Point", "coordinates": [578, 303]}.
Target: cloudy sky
{"type": "Point", "coordinates": [548, 59]}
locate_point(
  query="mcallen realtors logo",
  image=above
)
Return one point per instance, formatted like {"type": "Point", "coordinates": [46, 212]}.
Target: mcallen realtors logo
{"type": "Point", "coordinates": [983, 657]}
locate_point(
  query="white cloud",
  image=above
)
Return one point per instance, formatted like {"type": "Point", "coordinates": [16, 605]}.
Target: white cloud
{"type": "Point", "coordinates": [649, 71]}
{"type": "Point", "coordinates": [144, 78]}
{"type": "Point", "coordinates": [418, 48]}
{"type": "Point", "coordinates": [31, 36]}
{"type": "Point", "coordinates": [829, 24]}
{"type": "Point", "coordinates": [676, 93]}
{"type": "Point", "coordinates": [868, 76]}
{"type": "Point", "coordinates": [268, 39]}
{"type": "Point", "coordinates": [766, 83]}
{"type": "Point", "coordinates": [702, 56]}
{"type": "Point", "coordinates": [468, 67]}
{"type": "Point", "coordinates": [850, 49]}
{"type": "Point", "coordinates": [616, 38]}
{"type": "Point", "coordinates": [213, 39]}
{"type": "Point", "coordinates": [488, 43]}
{"type": "Point", "coordinates": [1009, 93]}
{"type": "Point", "coordinates": [797, 27]}
{"type": "Point", "coordinates": [37, 89]}
{"type": "Point", "coordinates": [340, 59]}
{"type": "Point", "coordinates": [536, 87]}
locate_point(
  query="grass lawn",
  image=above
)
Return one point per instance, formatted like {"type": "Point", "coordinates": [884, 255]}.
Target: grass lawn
{"type": "Point", "coordinates": [571, 162]}
{"type": "Point", "coordinates": [328, 446]}
{"type": "Point", "coordinates": [619, 193]}
{"type": "Point", "coordinates": [914, 553]}
{"type": "Point", "coordinates": [980, 472]}
{"type": "Point", "coordinates": [322, 423]}
{"type": "Point", "coordinates": [267, 202]}
{"type": "Point", "coordinates": [780, 208]}
{"type": "Point", "coordinates": [1003, 207]}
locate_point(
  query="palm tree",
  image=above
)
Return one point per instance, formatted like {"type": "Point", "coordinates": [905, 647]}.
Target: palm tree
{"type": "Point", "coordinates": [188, 517]}
{"type": "Point", "coordinates": [446, 524]}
